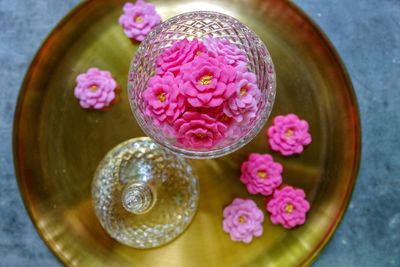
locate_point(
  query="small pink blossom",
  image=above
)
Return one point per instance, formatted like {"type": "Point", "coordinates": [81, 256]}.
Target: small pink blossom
{"type": "Point", "coordinates": [233, 130]}
{"type": "Point", "coordinates": [198, 130]}
{"type": "Point", "coordinates": [164, 103]}
{"type": "Point", "coordinates": [243, 220]}
{"type": "Point", "coordinates": [288, 207]}
{"type": "Point", "coordinates": [261, 174]}
{"type": "Point", "coordinates": [288, 135]}
{"type": "Point", "coordinates": [139, 19]}
{"type": "Point", "coordinates": [95, 89]}
{"type": "Point", "coordinates": [180, 53]}
{"type": "Point", "coordinates": [242, 106]}
{"type": "Point", "coordinates": [217, 113]}
{"type": "Point", "coordinates": [222, 47]}
{"type": "Point", "coordinates": [207, 82]}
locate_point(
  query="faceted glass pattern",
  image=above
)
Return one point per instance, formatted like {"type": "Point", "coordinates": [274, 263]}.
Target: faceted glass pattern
{"type": "Point", "coordinates": [144, 196]}
{"type": "Point", "coordinates": [198, 25]}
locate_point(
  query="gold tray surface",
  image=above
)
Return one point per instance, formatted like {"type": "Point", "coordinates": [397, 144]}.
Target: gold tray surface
{"type": "Point", "coordinates": [57, 145]}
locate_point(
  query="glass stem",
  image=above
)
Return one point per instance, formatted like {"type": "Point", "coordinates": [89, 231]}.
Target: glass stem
{"type": "Point", "coordinates": [138, 197]}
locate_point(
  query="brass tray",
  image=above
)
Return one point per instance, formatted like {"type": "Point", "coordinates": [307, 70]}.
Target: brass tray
{"type": "Point", "coordinates": [57, 145]}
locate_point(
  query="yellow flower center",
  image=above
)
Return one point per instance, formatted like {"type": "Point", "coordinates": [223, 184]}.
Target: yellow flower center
{"type": "Point", "coordinates": [224, 118]}
{"type": "Point", "coordinates": [288, 133]}
{"type": "Point", "coordinates": [289, 208]}
{"type": "Point", "coordinates": [93, 88]}
{"type": "Point", "coordinates": [139, 19]}
{"type": "Point", "coordinates": [206, 79]}
{"type": "Point", "coordinates": [242, 219]}
{"type": "Point", "coordinates": [243, 91]}
{"type": "Point", "coordinates": [161, 97]}
{"type": "Point", "coordinates": [198, 53]}
{"type": "Point", "coordinates": [262, 174]}
{"type": "Point", "coordinates": [200, 135]}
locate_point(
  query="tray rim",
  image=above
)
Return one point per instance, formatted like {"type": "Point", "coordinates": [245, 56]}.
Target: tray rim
{"type": "Point", "coordinates": [352, 96]}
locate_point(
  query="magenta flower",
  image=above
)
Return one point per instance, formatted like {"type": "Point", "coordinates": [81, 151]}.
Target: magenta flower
{"type": "Point", "coordinates": [207, 82]}
{"type": "Point", "coordinates": [222, 47]}
{"type": "Point", "coordinates": [242, 106]}
{"type": "Point", "coordinates": [139, 19]}
{"type": "Point", "coordinates": [288, 207]}
{"type": "Point", "coordinates": [288, 135]}
{"type": "Point", "coordinates": [261, 174]}
{"type": "Point", "coordinates": [233, 130]}
{"type": "Point", "coordinates": [180, 53]}
{"type": "Point", "coordinates": [95, 89]}
{"type": "Point", "coordinates": [198, 130]}
{"type": "Point", "coordinates": [243, 220]}
{"type": "Point", "coordinates": [164, 103]}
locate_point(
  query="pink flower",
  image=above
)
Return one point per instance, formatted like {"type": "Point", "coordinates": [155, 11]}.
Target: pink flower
{"type": "Point", "coordinates": [178, 54]}
{"type": "Point", "coordinates": [95, 89]}
{"type": "Point", "coordinates": [288, 135]}
{"type": "Point", "coordinates": [139, 19]}
{"type": "Point", "coordinates": [288, 207]}
{"type": "Point", "coordinates": [198, 130]}
{"type": "Point", "coordinates": [233, 130]}
{"type": "Point", "coordinates": [242, 106]}
{"type": "Point", "coordinates": [261, 174]}
{"type": "Point", "coordinates": [243, 220]}
{"type": "Point", "coordinates": [207, 82]}
{"type": "Point", "coordinates": [164, 103]}
{"type": "Point", "coordinates": [222, 47]}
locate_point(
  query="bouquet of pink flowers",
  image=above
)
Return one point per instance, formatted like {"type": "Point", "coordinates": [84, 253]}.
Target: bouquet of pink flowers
{"type": "Point", "coordinates": [202, 92]}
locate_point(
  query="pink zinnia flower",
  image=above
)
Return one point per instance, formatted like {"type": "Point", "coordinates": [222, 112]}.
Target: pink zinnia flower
{"type": "Point", "coordinates": [233, 129]}
{"type": "Point", "coordinates": [164, 103]}
{"type": "Point", "coordinates": [242, 106]}
{"type": "Point", "coordinates": [222, 47]}
{"type": "Point", "coordinates": [95, 89]}
{"type": "Point", "coordinates": [180, 53]}
{"type": "Point", "coordinates": [198, 130]}
{"type": "Point", "coordinates": [207, 82]}
{"type": "Point", "coordinates": [288, 135]}
{"type": "Point", "coordinates": [139, 19]}
{"type": "Point", "coordinates": [261, 174]}
{"type": "Point", "coordinates": [288, 207]}
{"type": "Point", "coordinates": [217, 113]}
{"type": "Point", "coordinates": [243, 220]}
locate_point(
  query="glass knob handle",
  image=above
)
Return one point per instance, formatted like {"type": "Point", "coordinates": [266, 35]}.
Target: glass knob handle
{"type": "Point", "coordinates": [138, 197]}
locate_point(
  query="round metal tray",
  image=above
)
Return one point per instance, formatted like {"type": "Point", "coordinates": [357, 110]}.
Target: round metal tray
{"type": "Point", "coordinates": [57, 144]}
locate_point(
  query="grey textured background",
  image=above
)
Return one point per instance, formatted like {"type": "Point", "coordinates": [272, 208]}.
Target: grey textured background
{"type": "Point", "coordinates": [366, 34]}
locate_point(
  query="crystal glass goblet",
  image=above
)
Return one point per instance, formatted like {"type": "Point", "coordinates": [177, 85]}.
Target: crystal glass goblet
{"type": "Point", "coordinates": [200, 25]}
{"type": "Point", "coordinates": [144, 196]}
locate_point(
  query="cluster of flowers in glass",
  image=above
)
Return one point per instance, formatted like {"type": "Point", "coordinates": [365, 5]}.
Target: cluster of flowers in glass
{"type": "Point", "coordinates": [202, 91]}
